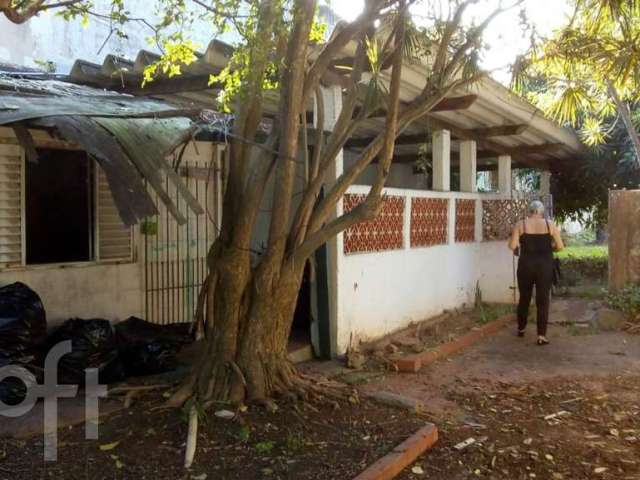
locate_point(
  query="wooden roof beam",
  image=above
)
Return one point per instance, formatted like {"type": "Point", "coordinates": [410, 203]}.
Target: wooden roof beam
{"type": "Point", "coordinates": [415, 139]}
{"type": "Point", "coordinates": [498, 131]}
{"type": "Point", "coordinates": [445, 105]}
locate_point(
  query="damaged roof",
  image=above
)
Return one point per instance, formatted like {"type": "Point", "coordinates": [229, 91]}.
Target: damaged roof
{"type": "Point", "coordinates": [130, 137]}
{"type": "Point", "coordinates": [498, 120]}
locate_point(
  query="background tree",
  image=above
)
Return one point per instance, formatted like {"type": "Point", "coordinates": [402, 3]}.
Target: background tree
{"type": "Point", "coordinates": [582, 193]}
{"type": "Point", "coordinates": [590, 69]}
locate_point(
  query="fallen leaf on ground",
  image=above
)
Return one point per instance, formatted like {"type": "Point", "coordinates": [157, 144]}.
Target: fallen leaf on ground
{"type": "Point", "coordinates": [109, 446]}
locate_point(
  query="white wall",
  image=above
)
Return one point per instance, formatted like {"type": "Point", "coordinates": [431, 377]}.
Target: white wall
{"type": "Point", "coordinates": [48, 37]}
{"type": "Point", "coordinates": [113, 292]}
{"type": "Point", "coordinates": [379, 293]}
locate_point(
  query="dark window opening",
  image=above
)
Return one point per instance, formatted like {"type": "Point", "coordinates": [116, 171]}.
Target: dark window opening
{"type": "Point", "coordinates": [59, 207]}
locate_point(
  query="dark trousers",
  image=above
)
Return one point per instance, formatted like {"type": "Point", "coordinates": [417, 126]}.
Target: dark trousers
{"type": "Point", "coordinates": [536, 272]}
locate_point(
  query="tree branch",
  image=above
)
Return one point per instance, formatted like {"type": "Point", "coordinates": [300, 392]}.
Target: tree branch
{"type": "Point", "coordinates": [371, 205]}
{"type": "Point", "coordinates": [18, 14]}
{"type": "Point", "coordinates": [292, 77]}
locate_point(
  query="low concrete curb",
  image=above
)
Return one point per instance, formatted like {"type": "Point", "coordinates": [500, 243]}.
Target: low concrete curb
{"type": "Point", "coordinates": [413, 363]}
{"type": "Point", "coordinates": [402, 456]}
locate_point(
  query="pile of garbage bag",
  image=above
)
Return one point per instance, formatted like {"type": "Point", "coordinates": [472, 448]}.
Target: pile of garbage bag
{"type": "Point", "coordinates": [23, 329]}
{"type": "Point", "coordinates": [93, 345]}
{"type": "Point", "coordinates": [147, 348]}
{"type": "Point", "coordinates": [133, 347]}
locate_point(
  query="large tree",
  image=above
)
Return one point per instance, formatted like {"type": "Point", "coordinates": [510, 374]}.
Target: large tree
{"type": "Point", "coordinates": [587, 73]}
{"type": "Point", "coordinates": [247, 303]}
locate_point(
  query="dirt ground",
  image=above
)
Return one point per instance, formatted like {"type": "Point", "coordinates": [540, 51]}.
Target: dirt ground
{"type": "Point", "coordinates": [502, 391]}
{"type": "Point", "coordinates": [319, 441]}
{"type": "Point", "coordinates": [569, 410]}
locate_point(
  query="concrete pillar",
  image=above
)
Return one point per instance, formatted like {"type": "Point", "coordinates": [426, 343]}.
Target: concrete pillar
{"type": "Point", "coordinates": [545, 183]}
{"type": "Point", "coordinates": [468, 166]}
{"type": "Point", "coordinates": [504, 174]}
{"type": "Point", "coordinates": [332, 99]}
{"type": "Point", "coordinates": [442, 160]}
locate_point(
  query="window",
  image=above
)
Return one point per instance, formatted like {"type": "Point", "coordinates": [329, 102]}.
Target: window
{"type": "Point", "coordinates": [59, 210]}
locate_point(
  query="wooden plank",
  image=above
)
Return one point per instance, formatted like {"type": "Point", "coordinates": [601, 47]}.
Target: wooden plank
{"type": "Point", "coordinates": [624, 238]}
{"type": "Point", "coordinates": [498, 131]}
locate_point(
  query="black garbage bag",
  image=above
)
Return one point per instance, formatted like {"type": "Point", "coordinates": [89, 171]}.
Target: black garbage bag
{"type": "Point", "coordinates": [147, 348]}
{"type": "Point", "coordinates": [148, 358]}
{"type": "Point", "coordinates": [135, 330]}
{"type": "Point", "coordinates": [14, 389]}
{"type": "Point", "coordinates": [23, 328]}
{"type": "Point", "coordinates": [23, 323]}
{"type": "Point", "coordinates": [93, 345]}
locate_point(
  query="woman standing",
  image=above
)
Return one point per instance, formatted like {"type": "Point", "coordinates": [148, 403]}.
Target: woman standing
{"type": "Point", "coordinates": [535, 238]}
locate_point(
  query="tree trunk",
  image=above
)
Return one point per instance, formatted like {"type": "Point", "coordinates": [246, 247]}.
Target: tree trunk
{"type": "Point", "coordinates": [626, 119]}
{"type": "Point", "coordinates": [249, 317]}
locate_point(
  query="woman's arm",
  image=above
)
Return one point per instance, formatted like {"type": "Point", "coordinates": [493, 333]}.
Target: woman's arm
{"type": "Point", "coordinates": [514, 241]}
{"type": "Point", "coordinates": [558, 244]}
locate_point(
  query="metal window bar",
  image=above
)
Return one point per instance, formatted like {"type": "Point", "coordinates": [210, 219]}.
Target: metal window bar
{"type": "Point", "coordinates": [175, 255]}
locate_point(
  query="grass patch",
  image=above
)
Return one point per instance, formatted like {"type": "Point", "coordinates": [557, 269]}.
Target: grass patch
{"type": "Point", "coordinates": [488, 312]}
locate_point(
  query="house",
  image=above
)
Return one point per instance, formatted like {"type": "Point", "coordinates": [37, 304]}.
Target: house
{"type": "Point", "coordinates": [437, 239]}
{"type": "Point", "coordinates": [81, 195]}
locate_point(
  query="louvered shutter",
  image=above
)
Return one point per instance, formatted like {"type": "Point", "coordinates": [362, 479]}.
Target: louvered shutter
{"type": "Point", "coordinates": [11, 203]}
{"type": "Point", "coordinates": [114, 238]}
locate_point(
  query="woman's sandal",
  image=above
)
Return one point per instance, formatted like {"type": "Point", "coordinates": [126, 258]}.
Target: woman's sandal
{"type": "Point", "coordinates": [542, 340]}
{"type": "Point", "coordinates": [521, 333]}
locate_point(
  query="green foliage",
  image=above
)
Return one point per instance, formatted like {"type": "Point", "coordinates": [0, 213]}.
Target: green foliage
{"type": "Point", "coordinates": [295, 441]}
{"type": "Point", "coordinates": [584, 265]}
{"type": "Point", "coordinates": [587, 252]}
{"type": "Point", "coordinates": [264, 448]}
{"type": "Point", "coordinates": [627, 300]}
{"type": "Point", "coordinates": [201, 412]}
{"type": "Point", "coordinates": [244, 433]}
{"type": "Point", "coordinates": [488, 312]}
{"type": "Point", "coordinates": [572, 75]}
{"type": "Point", "coordinates": [582, 192]}
{"type": "Point", "coordinates": [176, 54]}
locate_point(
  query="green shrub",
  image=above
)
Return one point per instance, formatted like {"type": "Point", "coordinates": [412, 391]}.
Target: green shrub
{"type": "Point", "coordinates": [584, 265]}
{"type": "Point", "coordinates": [627, 300]}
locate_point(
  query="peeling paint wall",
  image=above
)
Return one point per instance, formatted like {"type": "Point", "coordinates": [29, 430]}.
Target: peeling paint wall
{"type": "Point", "coordinates": [113, 292]}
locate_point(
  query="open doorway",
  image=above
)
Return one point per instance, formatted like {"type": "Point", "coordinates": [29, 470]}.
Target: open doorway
{"type": "Point", "coordinates": [300, 337]}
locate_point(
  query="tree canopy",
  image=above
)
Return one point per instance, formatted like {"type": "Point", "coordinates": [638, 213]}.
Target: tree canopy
{"type": "Point", "coordinates": [588, 72]}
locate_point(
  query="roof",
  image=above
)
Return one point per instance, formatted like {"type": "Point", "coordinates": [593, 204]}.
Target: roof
{"type": "Point", "coordinates": [129, 136]}
{"type": "Point", "coordinates": [499, 121]}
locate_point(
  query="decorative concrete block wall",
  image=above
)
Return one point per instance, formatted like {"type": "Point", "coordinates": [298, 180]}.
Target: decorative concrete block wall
{"type": "Point", "coordinates": [465, 220]}
{"type": "Point", "coordinates": [429, 221]}
{"type": "Point", "coordinates": [383, 233]}
{"type": "Point", "coordinates": [499, 216]}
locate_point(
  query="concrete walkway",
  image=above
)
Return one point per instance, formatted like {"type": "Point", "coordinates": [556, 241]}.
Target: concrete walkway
{"type": "Point", "coordinates": [578, 348]}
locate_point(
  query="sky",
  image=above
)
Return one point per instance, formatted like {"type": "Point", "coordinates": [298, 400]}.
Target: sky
{"type": "Point", "coordinates": [504, 36]}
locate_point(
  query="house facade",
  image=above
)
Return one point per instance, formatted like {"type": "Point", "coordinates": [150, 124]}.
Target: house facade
{"type": "Point", "coordinates": [438, 239]}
